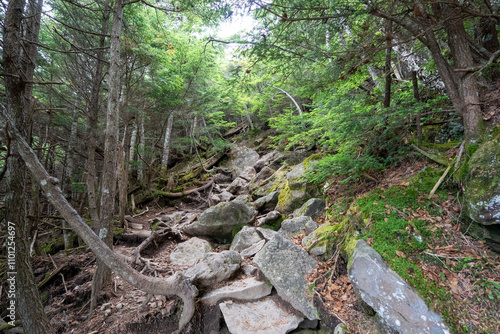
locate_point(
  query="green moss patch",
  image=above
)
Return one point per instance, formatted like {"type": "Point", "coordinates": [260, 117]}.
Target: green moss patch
{"type": "Point", "coordinates": [391, 220]}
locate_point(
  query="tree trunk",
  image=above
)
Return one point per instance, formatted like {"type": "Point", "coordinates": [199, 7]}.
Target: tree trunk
{"type": "Point", "coordinates": [27, 301]}
{"type": "Point", "coordinates": [416, 95]}
{"type": "Point", "coordinates": [166, 143]}
{"type": "Point", "coordinates": [141, 148]}
{"type": "Point", "coordinates": [193, 129]}
{"type": "Point", "coordinates": [248, 118]}
{"type": "Point", "coordinates": [461, 88]}
{"type": "Point", "coordinates": [387, 69]}
{"type": "Point", "coordinates": [70, 156]}
{"type": "Point", "coordinates": [92, 122]}
{"type": "Point", "coordinates": [132, 143]}
{"type": "Point", "coordinates": [176, 285]}
{"type": "Point", "coordinates": [102, 276]}
{"type": "Point", "coordinates": [123, 168]}
{"type": "Point", "coordinates": [462, 56]}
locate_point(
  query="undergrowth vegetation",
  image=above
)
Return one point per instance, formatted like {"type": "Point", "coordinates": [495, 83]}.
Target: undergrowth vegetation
{"type": "Point", "coordinates": [412, 233]}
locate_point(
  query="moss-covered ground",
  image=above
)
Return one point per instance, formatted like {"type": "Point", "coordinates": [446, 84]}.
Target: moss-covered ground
{"type": "Point", "coordinates": [420, 239]}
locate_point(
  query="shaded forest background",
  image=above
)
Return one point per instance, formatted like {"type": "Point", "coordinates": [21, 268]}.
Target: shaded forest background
{"type": "Point", "coordinates": [110, 95]}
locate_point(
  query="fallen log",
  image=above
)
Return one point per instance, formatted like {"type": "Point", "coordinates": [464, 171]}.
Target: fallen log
{"type": "Point", "coordinates": [183, 193]}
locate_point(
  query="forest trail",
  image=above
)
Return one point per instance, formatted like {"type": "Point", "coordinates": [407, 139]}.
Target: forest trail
{"type": "Point", "coordinates": [124, 309]}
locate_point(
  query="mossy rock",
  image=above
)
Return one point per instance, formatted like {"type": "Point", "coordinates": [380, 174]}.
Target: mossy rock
{"type": "Point", "coordinates": [482, 192]}
{"type": "Point", "coordinates": [297, 191]}
{"type": "Point", "coordinates": [489, 234]}
{"type": "Point", "coordinates": [277, 182]}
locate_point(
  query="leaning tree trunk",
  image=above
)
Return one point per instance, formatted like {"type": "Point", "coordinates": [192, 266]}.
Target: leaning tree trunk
{"type": "Point", "coordinates": [18, 95]}
{"type": "Point", "coordinates": [175, 285]}
{"type": "Point", "coordinates": [102, 276]}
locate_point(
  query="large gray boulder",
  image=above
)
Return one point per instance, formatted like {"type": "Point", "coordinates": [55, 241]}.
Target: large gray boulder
{"type": "Point", "coordinates": [310, 208]}
{"type": "Point", "coordinates": [219, 220]}
{"type": "Point", "coordinates": [247, 289]}
{"type": "Point", "coordinates": [214, 268]}
{"type": "Point", "coordinates": [238, 186]}
{"type": "Point", "coordinates": [265, 160]}
{"type": "Point", "coordinates": [268, 202]}
{"type": "Point", "coordinates": [266, 233]}
{"type": "Point", "coordinates": [261, 317]}
{"type": "Point", "coordinates": [295, 226]}
{"type": "Point", "coordinates": [398, 306]}
{"type": "Point", "coordinates": [270, 218]}
{"type": "Point", "coordinates": [248, 174]}
{"type": "Point", "coordinates": [252, 250]}
{"type": "Point", "coordinates": [242, 157]}
{"type": "Point", "coordinates": [482, 191]}
{"type": "Point", "coordinates": [188, 253]}
{"type": "Point", "coordinates": [257, 182]}
{"type": "Point", "coordinates": [287, 265]}
{"type": "Point", "coordinates": [248, 236]}
{"type": "Point", "coordinates": [297, 191]}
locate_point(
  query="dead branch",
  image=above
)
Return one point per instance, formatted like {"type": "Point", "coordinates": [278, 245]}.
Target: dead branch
{"type": "Point", "coordinates": [50, 276]}
{"type": "Point", "coordinates": [175, 285]}
{"type": "Point", "coordinates": [143, 212]}
{"type": "Point", "coordinates": [431, 156]}
{"type": "Point", "coordinates": [185, 193]}
{"type": "Point", "coordinates": [440, 181]}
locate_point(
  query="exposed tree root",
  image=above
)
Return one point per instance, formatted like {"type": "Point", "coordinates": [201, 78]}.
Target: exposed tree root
{"type": "Point", "coordinates": [156, 235]}
{"type": "Point", "coordinates": [176, 285]}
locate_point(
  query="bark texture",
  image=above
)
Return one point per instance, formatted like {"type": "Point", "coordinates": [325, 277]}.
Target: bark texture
{"type": "Point", "coordinates": [18, 63]}
{"type": "Point", "coordinates": [102, 276]}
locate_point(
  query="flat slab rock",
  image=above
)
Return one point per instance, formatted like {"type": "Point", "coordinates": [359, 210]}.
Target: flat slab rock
{"type": "Point", "coordinates": [398, 306]}
{"type": "Point", "coordinates": [247, 289]}
{"type": "Point", "coordinates": [261, 317]}
{"type": "Point", "coordinates": [287, 265]}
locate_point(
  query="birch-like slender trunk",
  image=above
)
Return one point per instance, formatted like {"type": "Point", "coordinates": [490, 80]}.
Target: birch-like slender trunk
{"type": "Point", "coordinates": [133, 138]}
{"type": "Point", "coordinates": [70, 155]}
{"type": "Point", "coordinates": [193, 129]}
{"type": "Point", "coordinates": [166, 142]}
{"type": "Point", "coordinates": [291, 98]}
{"type": "Point", "coordinates": [248, 117]}
{"type": "Point", "coordinates": [68, 171]}
{"type": "Point", "coordinates": [123, 169]}
{"type": "Point", "coordinates": [327, 40]}
{"type": "Point", "coordinates": [142, 147]}
{"type": "Point", "coordinates": [387, 68]}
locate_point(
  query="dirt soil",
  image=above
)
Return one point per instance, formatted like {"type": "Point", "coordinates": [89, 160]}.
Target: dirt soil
{"type": "Point", "coordinates": [124, 309]}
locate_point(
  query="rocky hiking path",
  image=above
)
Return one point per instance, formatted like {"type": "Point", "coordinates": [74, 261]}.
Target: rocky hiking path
{"type": "Point", "coordinates": [253, 247]}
